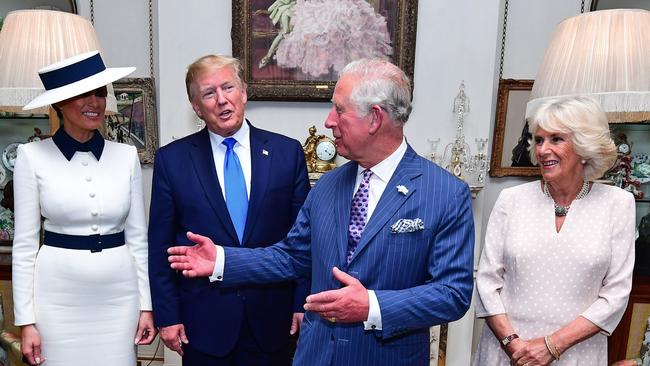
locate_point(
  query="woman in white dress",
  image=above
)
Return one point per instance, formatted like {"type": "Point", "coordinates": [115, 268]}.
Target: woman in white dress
{"type": "Point", "coordinates": [556, 270]}
{"type": "Point", "coordinates": [83, 297]}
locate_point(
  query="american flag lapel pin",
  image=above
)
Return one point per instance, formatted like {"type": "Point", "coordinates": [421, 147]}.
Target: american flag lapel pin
{"type": "Point", "coordinates": [264, 152]}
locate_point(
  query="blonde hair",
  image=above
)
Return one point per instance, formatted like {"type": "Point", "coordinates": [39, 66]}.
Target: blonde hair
{"type": "Point", "coordinates": [212, 63]}
{"type": "Point", "coordinates": [584, 120]}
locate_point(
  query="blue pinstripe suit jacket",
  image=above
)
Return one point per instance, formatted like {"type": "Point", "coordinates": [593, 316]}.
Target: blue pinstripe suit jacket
{"type": "Point", "coordinates": [422, 278]}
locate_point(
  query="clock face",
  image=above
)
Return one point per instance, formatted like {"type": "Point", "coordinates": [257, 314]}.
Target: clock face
{"type": "Point", "coordinates": [325, 150]}
{"type": "Point", "coordinates": [624, 148]}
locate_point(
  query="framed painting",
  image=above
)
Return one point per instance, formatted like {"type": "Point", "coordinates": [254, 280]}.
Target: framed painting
{"type": "Point", "coordinates": [438, 345]}
{"type": "Point", "coordinates": [135, 123]}
{"type": "Point", "coordinates": [510, 143]}
{"type": "Point", "coordinates": [631, 339]}
{"type": "Point", "coordinates": [619, 4]}
{"type": "Point", "coordinates": [295, 49]}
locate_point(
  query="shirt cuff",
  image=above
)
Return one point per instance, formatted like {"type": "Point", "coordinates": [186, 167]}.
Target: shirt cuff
{"type": "Point", "coordinates": [374, 313]}
{"type": "Point", "coordinates": [219, 263]}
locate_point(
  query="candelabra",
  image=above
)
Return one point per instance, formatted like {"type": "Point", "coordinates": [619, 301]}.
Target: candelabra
{"type": "Point", "coordinates": [457, 156]}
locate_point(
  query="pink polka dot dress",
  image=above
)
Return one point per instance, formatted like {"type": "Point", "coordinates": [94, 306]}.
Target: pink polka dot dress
{"type": "Point", "coordinates": [543, 279]}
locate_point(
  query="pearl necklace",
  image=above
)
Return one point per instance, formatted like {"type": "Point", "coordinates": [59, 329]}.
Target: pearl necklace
{"type": "Point", "coordinates": [561, 211]}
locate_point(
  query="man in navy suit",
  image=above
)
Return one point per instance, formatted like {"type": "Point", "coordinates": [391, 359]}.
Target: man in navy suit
{"type": "Point", "coordinates": [242, 187]}
{"type": "Point", "coordinates": [387, 238]}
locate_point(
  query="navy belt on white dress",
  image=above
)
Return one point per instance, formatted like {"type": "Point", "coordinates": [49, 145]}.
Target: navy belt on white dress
{"type": "Point", "coordinates": [95, 243]}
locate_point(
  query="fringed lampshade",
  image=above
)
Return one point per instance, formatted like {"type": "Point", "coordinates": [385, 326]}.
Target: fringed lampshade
{"type": "Point", "coordinates": [604, 54]}
{"type": "Point", "coordinates": [33, 39]}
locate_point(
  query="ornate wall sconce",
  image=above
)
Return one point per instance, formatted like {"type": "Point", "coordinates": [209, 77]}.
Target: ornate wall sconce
{"type": "Point", "coordinates": [457, 156]}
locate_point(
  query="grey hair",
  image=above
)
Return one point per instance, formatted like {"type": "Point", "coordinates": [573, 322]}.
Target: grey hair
{"type": "Point", "coordinates": [585, 121]}
{"type": "Point", "coordinates": [212, 63]}
{"type": "Point", "coordinates": [383, 84]}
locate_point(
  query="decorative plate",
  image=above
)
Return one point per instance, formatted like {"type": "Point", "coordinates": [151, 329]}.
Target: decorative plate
{"type": "Point", "coordinates": [3, 176]}
{"type": "Point", "coordinates": [9, 155]}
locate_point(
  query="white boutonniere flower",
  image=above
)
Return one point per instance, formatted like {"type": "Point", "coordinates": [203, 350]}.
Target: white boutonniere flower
{"type": "Point", "coordinates": [402, 189]}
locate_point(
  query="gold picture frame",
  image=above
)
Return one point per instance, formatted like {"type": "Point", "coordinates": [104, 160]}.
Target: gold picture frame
{"type": "Point", "coordinates": [136, 122]}
{"type": "Point", "coordinates": [625, 341]}
{"type": "Point", "coordinates": [253, 33]}
{"type": "Point", "coordinates": [509, 124]}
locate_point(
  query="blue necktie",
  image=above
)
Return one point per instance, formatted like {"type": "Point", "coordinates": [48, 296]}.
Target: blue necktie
{"type": "Point", "coordinates": [236, 197]}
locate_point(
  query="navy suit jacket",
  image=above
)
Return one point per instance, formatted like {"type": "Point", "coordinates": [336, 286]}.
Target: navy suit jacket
{"type": "Point", "coordinates": [186, 196]}
{"type": "Point", "coordinates": [421, 278]}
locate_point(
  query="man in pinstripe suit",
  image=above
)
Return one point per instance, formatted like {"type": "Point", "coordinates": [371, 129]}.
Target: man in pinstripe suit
{"type": "Point", "coordinates": [387, 238]}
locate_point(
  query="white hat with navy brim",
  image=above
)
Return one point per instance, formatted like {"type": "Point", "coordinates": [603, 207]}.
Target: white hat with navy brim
{"type": "Point", "coordinates": [75, 76]}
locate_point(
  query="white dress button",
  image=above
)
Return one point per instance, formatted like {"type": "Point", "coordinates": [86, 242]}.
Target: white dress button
{"type": "Point", "coordinates": [94, 213]}
{"type": "Point", "coordinates": [89, 178]}
{"type": "Point", "coordinates": [94, 227]}
{"type": "Point", "coordinates": [91, 194]}
{"type": "Point", "coordinates": [84, 163]}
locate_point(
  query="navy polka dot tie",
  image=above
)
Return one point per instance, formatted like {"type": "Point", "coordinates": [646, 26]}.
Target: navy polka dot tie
{"type": "Point", "coordinates": [358, 214]}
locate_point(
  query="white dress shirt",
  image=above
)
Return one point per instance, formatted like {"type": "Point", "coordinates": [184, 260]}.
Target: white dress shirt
{"type": "Point", "coordinates": [382, 173]}
{"type": "Point", "coordinates": [243, 150]}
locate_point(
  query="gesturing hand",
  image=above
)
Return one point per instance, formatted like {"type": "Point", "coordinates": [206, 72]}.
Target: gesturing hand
{"type": "Point", "coordinates": [349, 304]}
{"type": "Point", "coordinates": [194, 261]}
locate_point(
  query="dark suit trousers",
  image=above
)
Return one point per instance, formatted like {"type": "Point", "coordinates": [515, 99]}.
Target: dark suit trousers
{"type": "Point", "coordinates": [246, 353]}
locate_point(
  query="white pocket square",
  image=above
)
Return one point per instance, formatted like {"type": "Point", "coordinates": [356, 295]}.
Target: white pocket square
{"type": "Point", "coordinates": [406, 226]}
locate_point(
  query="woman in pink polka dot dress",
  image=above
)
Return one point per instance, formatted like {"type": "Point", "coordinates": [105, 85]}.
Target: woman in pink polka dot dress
{"type": "Point", "coordinates": [556, 269]}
